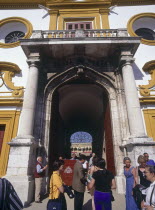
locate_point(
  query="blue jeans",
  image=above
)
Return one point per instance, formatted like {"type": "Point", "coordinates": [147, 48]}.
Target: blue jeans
{"type": "Point", "coordinates": [102, 200]}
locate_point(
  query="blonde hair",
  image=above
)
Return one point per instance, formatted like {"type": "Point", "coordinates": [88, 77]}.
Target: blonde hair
{"type": "Point", "coordinates": [141, 159]}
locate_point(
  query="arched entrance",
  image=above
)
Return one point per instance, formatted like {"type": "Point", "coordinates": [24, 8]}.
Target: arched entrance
{"type": "Point", "coordinates": [80, 103]}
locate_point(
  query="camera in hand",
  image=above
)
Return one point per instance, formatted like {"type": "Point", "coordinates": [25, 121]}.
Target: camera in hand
{"type": "Point", "coordinates": [68, 191]}
{"type": "Point", "coordinates": [84, 181]}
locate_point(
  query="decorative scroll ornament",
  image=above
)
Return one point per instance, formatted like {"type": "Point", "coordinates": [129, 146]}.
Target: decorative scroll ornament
{"type": "Point", "coordinates": [7, 71]}
{"type": "Point", "coordinates": [146, 89]}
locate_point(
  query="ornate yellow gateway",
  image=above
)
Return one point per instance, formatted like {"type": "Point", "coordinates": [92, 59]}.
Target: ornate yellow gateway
{"type": "Point", "coordinates": [76, 76]}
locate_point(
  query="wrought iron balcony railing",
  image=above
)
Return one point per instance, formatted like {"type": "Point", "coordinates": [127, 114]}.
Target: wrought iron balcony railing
{"type": "Point", "coordinates": [66, 34]}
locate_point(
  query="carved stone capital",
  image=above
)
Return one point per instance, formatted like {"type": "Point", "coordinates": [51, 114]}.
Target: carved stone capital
{"type": "Point", "coordinates": [126, 58]}
{"type": "Point", "coordinates": [104, 11]}
{"type": "Point", "coordinates": [34, 60]}
{"type": "Point", "coordinates": [53, 12]}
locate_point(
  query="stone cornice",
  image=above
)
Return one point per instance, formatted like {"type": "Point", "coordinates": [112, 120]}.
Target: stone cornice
{"type": "Point", "coordinates": [18, 4]}
{"type": "Point", "coordinates": [11, 4]}
{"type": "Point", "coordinates": [132, 2]}
{"type": "Point", "coordinates": [147, 100]}
{"type": "Point", "coordinates": [11, 102]}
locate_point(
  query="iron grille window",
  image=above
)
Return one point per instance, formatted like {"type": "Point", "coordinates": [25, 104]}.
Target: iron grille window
{"type": "Point", "coordinates": [14, 36]}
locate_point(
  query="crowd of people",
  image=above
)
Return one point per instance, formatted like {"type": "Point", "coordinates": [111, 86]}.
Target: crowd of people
{"type": "Point", "coordinates": [141, 178]}
{"type": "Point", "coordinates": [87, 173]}
{"type": "Point", "coordinates": [93, 175]}
{"type": "Point", "coordinates": [99, 181]}
{"type": "Point", "coordinates": [90, 173]}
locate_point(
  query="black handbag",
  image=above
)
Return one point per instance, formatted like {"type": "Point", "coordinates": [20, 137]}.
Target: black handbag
{"type": "Point", "coordinates": [137, 194]}
{"type": "Point", "coordinates": [54, 204]}
{"type": "Point", "coordinates": [69, 192]}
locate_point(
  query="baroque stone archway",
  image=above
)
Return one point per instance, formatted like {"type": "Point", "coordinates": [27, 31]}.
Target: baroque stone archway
{"type": "Point", "coordinates": [115, 100]}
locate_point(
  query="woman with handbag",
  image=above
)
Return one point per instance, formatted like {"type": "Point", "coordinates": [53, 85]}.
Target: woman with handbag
{"type": "Point", "coordinates": [103, 180]}
{"type": "Point", "coordinates": [150, 193]}
{"type": "Point", "coordinates": [56, 197]}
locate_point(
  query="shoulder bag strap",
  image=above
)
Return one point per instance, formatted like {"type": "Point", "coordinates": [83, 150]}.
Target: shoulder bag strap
{"type": "Point", "coordinates": [152, 195]}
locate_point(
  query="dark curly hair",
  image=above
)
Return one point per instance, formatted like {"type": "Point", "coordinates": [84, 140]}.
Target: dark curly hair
{"type": "Point", "coordinates": [100, 162]}
{"type": "Point", "coordinates": [57, 164]}
{"type": "Point", "coordinates": [126, 158]}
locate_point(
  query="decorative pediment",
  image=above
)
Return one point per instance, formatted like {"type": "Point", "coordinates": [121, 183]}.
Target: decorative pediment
{"type": "Point", "coordinates": [7, 72]}
{"type": "Point", "coordinates": [145, 90]}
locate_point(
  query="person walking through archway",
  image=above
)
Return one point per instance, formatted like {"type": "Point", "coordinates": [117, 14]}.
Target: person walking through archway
{"type": "Point", "coordinates": [77, 183]}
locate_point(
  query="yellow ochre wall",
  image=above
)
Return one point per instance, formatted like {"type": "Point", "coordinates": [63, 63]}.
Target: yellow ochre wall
{"type": "Point", "coordinates": [59, 18]}
{"type": "Point", "coordinates": [10, 119]}
{"type": "Point", "coordinates": [149, 116]}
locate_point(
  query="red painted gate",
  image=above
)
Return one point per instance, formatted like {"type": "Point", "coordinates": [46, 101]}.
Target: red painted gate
{"type": "Point", "coordinates": [109, 141]}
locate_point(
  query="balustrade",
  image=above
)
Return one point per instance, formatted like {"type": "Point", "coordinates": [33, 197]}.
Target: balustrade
{"type": "Point", "coordinates": [67, 34]}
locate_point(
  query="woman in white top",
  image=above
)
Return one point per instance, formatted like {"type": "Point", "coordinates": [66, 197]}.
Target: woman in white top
{"type": "Point", "coordinates": [150, 193]}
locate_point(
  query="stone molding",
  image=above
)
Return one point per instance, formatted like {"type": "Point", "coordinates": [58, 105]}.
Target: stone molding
{"type": "Point", "coordinates": [34, 60]}
{"type": "Point", "coordinates": [104, 11]}
{"type": "Point", "coordinates": [10, 119]}
{"type": "Point", "coordinates": [146, 89]}
{"type": "Point", "coordinates": [139, 141]}
{"type": "Point", "coordinates": [147, 100]}
{"type": "Point", "coordinates": [132, 2]}
{"type": "Point", "coordinates": [11, 102]}
{"type": "Point", "coordinates": [34, 4]}
{"type": "Point", "coordinates": [7, 72]}
{"type": "Point", "coordinates": [16, 19]}
{"type": "Point", "coordinates": [126, 58]}
{"type": "Point", "coordinates": [149, 122]}
{"type": "Point", "coordinates": [20, 142]}
{"type": "Point", "coordinates": [131, 22]}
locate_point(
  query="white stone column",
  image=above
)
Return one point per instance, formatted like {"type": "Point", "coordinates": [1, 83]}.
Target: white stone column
{"type": "Point", "coordinates": [22, 156]}
{"type": "Point", "coordinates": [132, 101]}
{"type": "Point", "coordinates": [28, 111]}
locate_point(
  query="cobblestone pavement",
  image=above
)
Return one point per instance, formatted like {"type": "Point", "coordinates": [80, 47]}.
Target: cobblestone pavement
{"type": "Point", "coordinates": [118, 204]}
